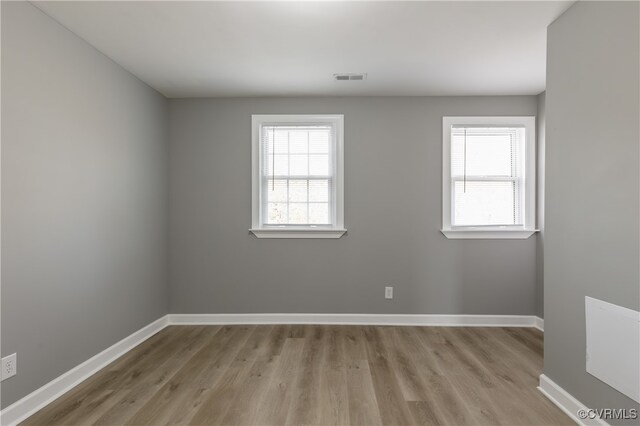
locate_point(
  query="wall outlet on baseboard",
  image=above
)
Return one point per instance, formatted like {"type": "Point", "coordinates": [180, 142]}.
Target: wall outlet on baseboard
{"type": "Point", "coordinates": [9, 366]}
{"type": "Point", "coordinates": [388, 292]}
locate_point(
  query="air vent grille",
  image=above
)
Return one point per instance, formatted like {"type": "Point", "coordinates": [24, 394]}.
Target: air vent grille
{"type": "Point", "coordinates": [349, 77]}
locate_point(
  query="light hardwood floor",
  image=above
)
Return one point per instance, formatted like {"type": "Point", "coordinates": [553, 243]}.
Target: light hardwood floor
{"type": "Point", "coordinates": [321, 375]}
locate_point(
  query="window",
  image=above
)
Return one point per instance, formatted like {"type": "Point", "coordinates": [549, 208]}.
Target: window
{"type": "Point", "coordinates": [488, 180]}
{"type": "Point", "coordinates": [297, 183]}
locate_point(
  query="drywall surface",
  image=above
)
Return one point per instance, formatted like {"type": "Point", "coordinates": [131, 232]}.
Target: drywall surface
{"type": "Point", "coordinates": [393, 205]}
{"type": "Point", "coordinates": [84, 200]}
{"type": "Point", "coordinates": [540, 175]}
{"type": "Point", "coordinates": [592, 233]}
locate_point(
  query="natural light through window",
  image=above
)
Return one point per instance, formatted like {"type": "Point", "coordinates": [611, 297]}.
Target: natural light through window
{"type": "Point", "coordinates": [488, 177]}
{"type": "Point", "coordinates": [297, 176]}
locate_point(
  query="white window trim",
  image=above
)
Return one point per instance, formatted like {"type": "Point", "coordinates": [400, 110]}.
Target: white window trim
{"type": "Point", "coordinates": [261, 230]}
{"type": "Point", "coordinates": [490, 232]}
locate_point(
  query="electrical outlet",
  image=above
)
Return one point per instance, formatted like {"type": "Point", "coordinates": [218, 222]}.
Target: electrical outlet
{"type": "Point", "coordinates": [9, 366]}
{"type": "Point", "coordinates": [388, 292]}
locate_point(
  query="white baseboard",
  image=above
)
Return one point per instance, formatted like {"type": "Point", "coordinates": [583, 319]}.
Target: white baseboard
{"type": "Point", "coordinates": [358, 319]}
{"type": "Point", "coordinates": [25, 407]}
{"type": "Point", "coordinates": [566, 402]}
{"type": "Point", "coordinates": [539, 323]}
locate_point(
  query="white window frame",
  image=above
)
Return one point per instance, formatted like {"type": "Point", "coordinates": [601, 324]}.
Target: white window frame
{"type": "Point", "coordinates": [529, 199]}
{"type": "Point", "coordinates": [262, 230]}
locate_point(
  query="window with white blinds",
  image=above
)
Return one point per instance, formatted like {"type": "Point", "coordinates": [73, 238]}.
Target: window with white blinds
{"type": "Point", "coordinates": [297, 176]}
{"type": "Point", "coordinates": [488, 179]}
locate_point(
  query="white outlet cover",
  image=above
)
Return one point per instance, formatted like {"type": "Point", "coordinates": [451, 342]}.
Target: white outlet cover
{"type": "Point", "coordinates": [9, 366]}
{"type": "Point", "coordinates": [388, 292]}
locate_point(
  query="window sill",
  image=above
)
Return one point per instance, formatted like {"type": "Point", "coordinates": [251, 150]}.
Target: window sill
{"type": "Point", "coordinates": [488, 234]}
{"type": "Point", "coordinates": [298, 233]}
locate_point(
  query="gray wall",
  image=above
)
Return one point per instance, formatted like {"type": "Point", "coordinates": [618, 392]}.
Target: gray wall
{"type": "Point", "coordinates": [540, 150]}
{"type": "Point", "coordinates": [393, 157]}
{"type": "Point", "coordinates": [84, 200]}
{"type": "Point", "coordinates": [592, 238]}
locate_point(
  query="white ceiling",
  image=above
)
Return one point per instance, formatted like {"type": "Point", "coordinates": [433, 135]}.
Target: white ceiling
{"type": "Point", "coordinates": [198, 49]}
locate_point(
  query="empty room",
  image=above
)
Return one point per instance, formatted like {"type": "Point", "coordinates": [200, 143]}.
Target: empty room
{"type": "Point", "coordinates": [320, 213]}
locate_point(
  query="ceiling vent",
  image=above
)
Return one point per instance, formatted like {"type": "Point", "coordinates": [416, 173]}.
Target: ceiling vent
{"type": "Point", "coordinates": [349, 77]}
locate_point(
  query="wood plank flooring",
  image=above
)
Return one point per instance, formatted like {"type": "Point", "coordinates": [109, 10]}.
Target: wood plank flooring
{"type": "Point", "coordinates": [317, 375]}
